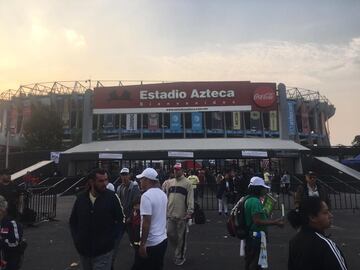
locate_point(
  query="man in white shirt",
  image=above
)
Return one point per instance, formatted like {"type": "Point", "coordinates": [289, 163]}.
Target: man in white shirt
{"type": "Point", "coordinates": [153, 207]}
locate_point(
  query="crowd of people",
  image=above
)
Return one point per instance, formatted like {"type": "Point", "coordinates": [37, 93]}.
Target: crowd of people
{"type": "Point", "coordinates": [154, 212]}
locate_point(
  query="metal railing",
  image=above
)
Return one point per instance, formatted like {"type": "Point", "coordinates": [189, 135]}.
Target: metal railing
{"type": "Point", "coordinates": [36, 206]}
{"type": "Point", "coordinates": [342, 196]}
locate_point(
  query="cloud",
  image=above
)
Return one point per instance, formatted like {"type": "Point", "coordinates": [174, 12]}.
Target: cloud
{"type": "Point", "coordinates": [74, 38]}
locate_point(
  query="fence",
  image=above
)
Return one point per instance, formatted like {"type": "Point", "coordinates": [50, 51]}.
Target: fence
{"type": "Point", "coordinates": [38, 205]}
{"type": "Point", "coordinates": [342, 196]}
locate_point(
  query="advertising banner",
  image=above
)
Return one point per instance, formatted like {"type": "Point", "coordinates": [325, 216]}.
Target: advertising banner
{"type": "Point", "coordinates": [13, 119]}
{"type": "Point", "coordinates": [292, 117]}
{"type": "Point", "coordinates": [26, 110]}
{"type": "Point", "coordinates": [273, 121]}
{"type": "Point", "coordinates": [236, 120]}
{"type": "Point", "coordinates": [109, 121]}
{"type": "Point", "coordinates": [323, 123]}
{"type": "Point", "coordinates": [305, 119]}
{"type": "Point", "coordinates": [131, 121]}
{"type": "Point", "coordinates": [175, 121]}
{"type": "Point", "coordinates": [153, 121]}
{"type": "Point", "coordinates": [255, 121]}
{"type": "Point", "coordinates": [66, 113]}
{"type": "Point", "coordinates": [216, 120]}
{"type": "Point", "coordinates": [186, 97]}
{"type": "Point", "coordinates": [196, 121]}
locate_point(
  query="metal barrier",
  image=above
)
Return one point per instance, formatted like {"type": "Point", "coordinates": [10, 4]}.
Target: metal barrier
{"type": "Point", "coordinates": [35, 201]}
{"type": "Point", "coordinates": [341, 197]}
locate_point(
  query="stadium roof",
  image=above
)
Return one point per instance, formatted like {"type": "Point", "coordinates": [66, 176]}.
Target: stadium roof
{"type": "Point", "coordinates": [208, 144]}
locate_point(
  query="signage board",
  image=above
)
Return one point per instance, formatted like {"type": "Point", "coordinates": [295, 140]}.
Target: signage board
{"type": "Point", "coordinates": [185, 97]}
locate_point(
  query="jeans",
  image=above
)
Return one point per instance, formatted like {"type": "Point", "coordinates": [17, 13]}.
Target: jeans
{"type": "Point", "coordinates": [101, 262]}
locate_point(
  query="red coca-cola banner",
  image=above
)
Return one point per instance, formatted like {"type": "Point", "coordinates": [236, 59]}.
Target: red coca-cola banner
{"type": "Point", "coordinates": [186, 96]}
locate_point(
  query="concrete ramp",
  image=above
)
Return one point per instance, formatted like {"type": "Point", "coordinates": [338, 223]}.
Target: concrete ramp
{"type": "Point", "coordinates": [340, 167]}
{"type": "Point", "coordinates": [32, 168]}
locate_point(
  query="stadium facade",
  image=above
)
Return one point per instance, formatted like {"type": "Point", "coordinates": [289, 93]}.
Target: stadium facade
{"type": "Point", "coordinates": [204, 118]}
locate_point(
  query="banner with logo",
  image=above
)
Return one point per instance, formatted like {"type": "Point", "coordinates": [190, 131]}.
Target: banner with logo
{"type": "Point", "coordinates": [186, 97]}
{"type": "Point", "coordinates": [255, 120]}
{"type": "Point", "coordinates": [131, 121]}
{"type": "Point", "coordinates": [305, 119]}
{"type": "Point", "coordinates": [292, 117]}
{"type": "Point", "coordinates": [216, 120]}
{"type": "Point", "coordinates": [236, 120]}
{"type": "Point", "coordinates": [196, 121]}
{"type": "Point", "coordinates": [153, 121]}
{"type": "Point", "coordinates": [273, 121]}
{"type": "Point", "coordinates": [175, 121]}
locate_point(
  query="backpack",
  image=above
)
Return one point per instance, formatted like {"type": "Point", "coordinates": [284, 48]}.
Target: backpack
{"type": "Point", "coordinates": [199, 215]}
{"type": "Point", "coordinates": [236, 224]}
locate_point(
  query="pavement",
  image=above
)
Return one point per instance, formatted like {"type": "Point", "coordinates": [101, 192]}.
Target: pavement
{"type": "Point", "coordinates": [51, 248]}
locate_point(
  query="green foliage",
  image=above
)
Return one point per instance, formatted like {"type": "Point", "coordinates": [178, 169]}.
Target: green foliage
{"type": "Point", "coordinates": [356, 141]}
{"type": "Point", "coordinates": [43, 130]}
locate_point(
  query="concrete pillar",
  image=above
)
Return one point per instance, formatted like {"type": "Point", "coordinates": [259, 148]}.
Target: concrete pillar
{"type": "Point", "coordinates": [283, 112]}
{"type": "Point", "coordinates": [298, 166]}
{"type": "Point", "coordinates": [87, 118]}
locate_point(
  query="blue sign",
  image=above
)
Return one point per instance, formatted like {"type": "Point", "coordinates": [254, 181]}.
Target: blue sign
{"type": "Point", "coordinates": [292, 117]}
{"type": "Point", "coordinates": [175, 121]}
{"type": "Point", "coordinates": [196, 121]}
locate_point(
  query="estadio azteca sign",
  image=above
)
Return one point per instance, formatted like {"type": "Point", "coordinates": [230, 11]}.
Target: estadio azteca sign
{"type": "Point", "coordinates": [186, 97]}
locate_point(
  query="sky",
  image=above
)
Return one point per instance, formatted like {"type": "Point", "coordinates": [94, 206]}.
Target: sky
{"type": "Point", "coordinates": [307, 44]}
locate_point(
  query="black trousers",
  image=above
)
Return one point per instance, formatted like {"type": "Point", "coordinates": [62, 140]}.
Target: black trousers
{"type": "Point", "coordinates": [252, 252]}
{"type": "Point", "coordinates": [155, 259]}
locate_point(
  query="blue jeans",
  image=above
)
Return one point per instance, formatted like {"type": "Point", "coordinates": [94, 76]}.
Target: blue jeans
{"type": "Point", "coordinates": [101, 262]}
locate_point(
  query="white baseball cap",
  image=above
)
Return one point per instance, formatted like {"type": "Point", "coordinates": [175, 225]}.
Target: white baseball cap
{"type": "Point", "coordinates": [149, 173]}
{"type": "Point", "coordinates": [124, 170]}
{"type": "Point", "coordinates": [258, 181]}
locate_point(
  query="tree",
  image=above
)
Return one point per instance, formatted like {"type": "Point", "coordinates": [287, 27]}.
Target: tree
{"type": "Point", "coordinates": [43, 130]}
{"type": "Point", "coordinates": [356, 141]}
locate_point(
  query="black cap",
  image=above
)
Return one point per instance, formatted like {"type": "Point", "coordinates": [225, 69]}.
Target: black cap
{"type": "Point", "coordinates": [311, 173]}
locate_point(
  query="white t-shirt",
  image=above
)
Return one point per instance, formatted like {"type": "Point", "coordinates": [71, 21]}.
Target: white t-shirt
{"type": "Point", "coordinates": [154, 203]}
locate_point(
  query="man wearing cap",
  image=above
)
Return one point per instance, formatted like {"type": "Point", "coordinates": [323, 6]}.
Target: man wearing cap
{"type": "Point", "coordinates": [95, 221]}
{"type": "Point", "coordinates": [153, 239]}
{"type": "Point", "coordinates": [180, 209]}
{"type": "Point", "coordinates": [311, 189]}
{"type": "Point", "coordinates": [128, 192]}
{"type": "Point", "coordinates": [256, 221]}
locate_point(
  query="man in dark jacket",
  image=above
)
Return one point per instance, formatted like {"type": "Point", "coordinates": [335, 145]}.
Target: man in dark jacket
{"type": "Point", "coordinates": [96, 220]}
{"type": "Point", "coordinates": [311, 189]}
{"type": "Point", "coordinates": [11, 193]}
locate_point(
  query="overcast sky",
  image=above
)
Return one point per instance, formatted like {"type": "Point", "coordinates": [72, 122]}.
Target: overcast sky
{"type": "Point", "coordinates": [308, 44]}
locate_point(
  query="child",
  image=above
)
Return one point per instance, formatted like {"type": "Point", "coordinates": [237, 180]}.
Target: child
{"type": "Point", "coordinates": [134, 232]}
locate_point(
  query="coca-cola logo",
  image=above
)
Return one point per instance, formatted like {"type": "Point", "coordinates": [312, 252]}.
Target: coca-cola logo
{"type": "Point", "coordinates": [264, 96]}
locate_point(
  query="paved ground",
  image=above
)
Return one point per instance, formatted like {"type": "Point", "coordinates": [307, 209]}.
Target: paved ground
{"type": "Point", "coordinates": [50, 246]}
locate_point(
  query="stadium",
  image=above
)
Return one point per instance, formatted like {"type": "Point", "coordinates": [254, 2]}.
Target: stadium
{"type": "Point", "coordinates": [138, 122]}
{"type": "Point", "coordinates": [210, 127]}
